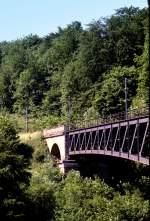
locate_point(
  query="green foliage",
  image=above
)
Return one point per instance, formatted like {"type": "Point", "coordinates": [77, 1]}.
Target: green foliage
{"type": "Point", "coordinates": [42, 188]}
{"type": "Point", "coordinates": [111, 96]}
{"type": "Point", "coordinates": [14, 177]}
{"type": "Point", "coordinates": [81, 73]}
{"type": "Point", "coordinates": [126, 34]}
{"type": "Point", "coordinates": [142, 61]}
{"type": "Point", "coordinates": [131, 207]}
{"type": "Point", "coordinates": [44, 172]}
{"type": "Point", "coordinates": [40, 150]}
{"type": "Point", "coordinates": [41, 202]}
{"type": "Point", "coordinates": [42, 73]}
{"type": "Point", "coordinates": [91, 113]}
{"type": "Point", "coordinates": [49, 121]}
{"type": "Point", "coordinates": [94, 200]}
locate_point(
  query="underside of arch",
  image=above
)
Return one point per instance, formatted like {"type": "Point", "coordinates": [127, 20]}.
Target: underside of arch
{"type": "Point", "coordinates": [56, 152]}
{"type": "Point", "coordinates": [132, 157]}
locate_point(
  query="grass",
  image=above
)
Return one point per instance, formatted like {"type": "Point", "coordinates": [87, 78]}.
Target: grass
{"type": "Point", "coordinates": [40, 149]}
{"type": "Point", "coordinates": [28, 137]}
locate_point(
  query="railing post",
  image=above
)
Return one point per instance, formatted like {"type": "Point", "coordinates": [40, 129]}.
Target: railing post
{"type": "Point", "coordinates": [138, 140]}
{"type": "Point", "coordinates": [66, 133]}
{"type": "Point", "coordinates": [126, 105]}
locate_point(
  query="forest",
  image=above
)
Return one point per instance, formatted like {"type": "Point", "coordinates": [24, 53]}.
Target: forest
{"type": "Point", "coordinates": [78, 71]}
{"type": "Point", "coordinates": [74, 73]}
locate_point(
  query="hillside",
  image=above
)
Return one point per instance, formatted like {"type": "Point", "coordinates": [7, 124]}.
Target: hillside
{"type": "Point", "coordinates": [73, 73]}
{"type": "Point", "coordinates": [78, 71]}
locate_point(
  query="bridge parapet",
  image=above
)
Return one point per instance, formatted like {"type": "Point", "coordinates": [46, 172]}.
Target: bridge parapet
{"type": "Point", "coordinates": [111, 118]}
{"type": "Point", "coordinates": [127, 139]}
{"type": "Point", "coordinates": [54, 132]}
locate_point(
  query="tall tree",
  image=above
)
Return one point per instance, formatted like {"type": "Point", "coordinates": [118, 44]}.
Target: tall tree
{"type": "Point", "coordinates": [57, 57]}
{"type": "Point", "coordinates": [142, 62]}
{"type": "Point", "coordinates": [111, 96]}
{"type": "Point", "coordinates": [126, 29]}
{"type": "Point", "coordinates": [14, 177]}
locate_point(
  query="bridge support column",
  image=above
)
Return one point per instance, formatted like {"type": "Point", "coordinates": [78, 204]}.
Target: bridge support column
{"type": "Point", "coordinates": [66, 165]}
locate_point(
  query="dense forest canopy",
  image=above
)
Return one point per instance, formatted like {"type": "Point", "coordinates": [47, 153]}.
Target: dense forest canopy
{"type": "Point", "coordinates": [32, 189]}
{"type": "Point", "coordinates": [85, 68]}
{"type": "Point", "coordinates": [81, 72]}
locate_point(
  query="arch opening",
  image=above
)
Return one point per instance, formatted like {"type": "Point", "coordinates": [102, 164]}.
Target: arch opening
{"type": "Point", "coordinates": [56, 152]}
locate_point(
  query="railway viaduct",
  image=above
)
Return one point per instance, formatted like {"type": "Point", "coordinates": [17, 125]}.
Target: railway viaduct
{"type": "Point", "coordinates": [113, 136]}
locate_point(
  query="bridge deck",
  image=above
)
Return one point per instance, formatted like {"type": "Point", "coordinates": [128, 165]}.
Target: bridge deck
{"type": "Point", "coordinates": [126, 139]}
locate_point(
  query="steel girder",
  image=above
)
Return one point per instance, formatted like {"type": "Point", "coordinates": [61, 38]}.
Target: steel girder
{"type": "Point", "coordinates": [125, 139]}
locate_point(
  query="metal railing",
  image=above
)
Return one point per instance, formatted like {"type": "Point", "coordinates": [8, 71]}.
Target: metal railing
{"type": "Point", "coordinates": [112, 118]}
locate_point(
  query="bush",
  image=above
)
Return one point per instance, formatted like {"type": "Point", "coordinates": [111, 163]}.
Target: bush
{"type": "Point", "coordinates": [93, 200]}
{"type": "Point", "coordinates": [41, 202]}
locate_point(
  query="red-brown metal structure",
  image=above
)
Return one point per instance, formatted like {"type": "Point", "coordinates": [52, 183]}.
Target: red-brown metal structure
{"type": "Point", "coordinates": [128, 139]}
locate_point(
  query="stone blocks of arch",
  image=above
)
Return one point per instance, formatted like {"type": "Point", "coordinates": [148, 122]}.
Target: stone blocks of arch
{"type": "Point", "coordinates": [55, 139]}
{"type": "Point", "coordinates": [57, 142]}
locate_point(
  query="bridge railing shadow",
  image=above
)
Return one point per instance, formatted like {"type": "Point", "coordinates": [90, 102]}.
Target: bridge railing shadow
{"type": "Point", "coordinates": [112, 118]}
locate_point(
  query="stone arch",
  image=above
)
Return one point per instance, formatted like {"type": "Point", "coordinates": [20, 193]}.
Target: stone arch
{"type": "Point", "coordinates": [57, 142]}
{"type": "Point", "coordinates": [55, 151]}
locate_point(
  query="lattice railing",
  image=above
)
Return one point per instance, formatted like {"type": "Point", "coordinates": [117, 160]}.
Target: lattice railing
{"type": "Point", "coordinates": [126, 139]}
{"type": "Point", "coordinates": [121, 116]}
